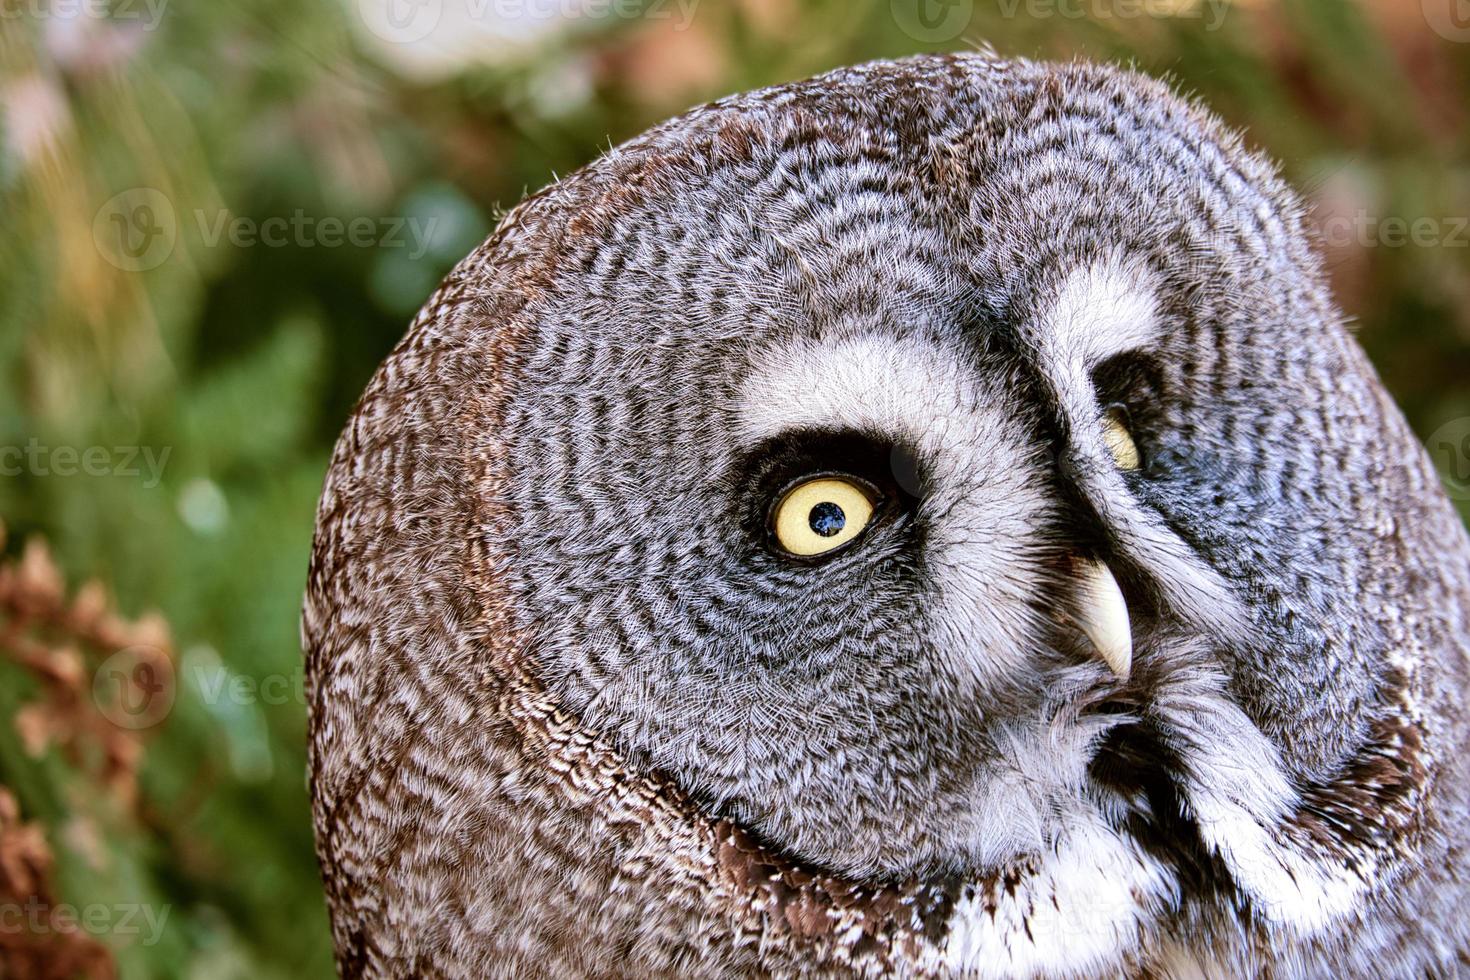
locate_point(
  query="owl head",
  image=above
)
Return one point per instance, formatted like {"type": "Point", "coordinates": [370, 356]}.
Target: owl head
{"type": "Point", "coordinates": [927, 518]}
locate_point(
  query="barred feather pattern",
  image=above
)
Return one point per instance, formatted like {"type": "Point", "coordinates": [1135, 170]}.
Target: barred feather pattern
{"type": "Point", "coordinates": [570, 715]}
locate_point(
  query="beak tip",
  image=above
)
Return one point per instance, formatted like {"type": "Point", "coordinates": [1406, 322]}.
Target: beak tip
{"type": "Point", "coordinates": [1120, 661]}
{"type": "Point", "coordinates": [1102, 612]}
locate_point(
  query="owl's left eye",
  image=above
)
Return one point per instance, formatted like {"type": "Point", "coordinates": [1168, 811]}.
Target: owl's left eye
{"type": "Point", "coordinates": [821, 515]}
{"type": "Point", "coordinates": [1119, 439]}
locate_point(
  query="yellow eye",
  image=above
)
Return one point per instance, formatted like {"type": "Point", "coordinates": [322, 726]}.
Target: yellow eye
{"type": "Point", "coordinates": [822, 514]}
{"type": "Point", "coordinates": [1119, 440]}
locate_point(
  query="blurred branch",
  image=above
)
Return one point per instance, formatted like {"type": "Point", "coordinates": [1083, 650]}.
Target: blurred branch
{"type": "Point", "coordinates": [96, 724]}
{"type": "Point", "coordinates": [38, 939]}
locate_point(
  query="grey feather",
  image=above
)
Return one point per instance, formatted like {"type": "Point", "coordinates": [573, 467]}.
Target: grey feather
{"type": "Point", "coordinates": [573, 714]}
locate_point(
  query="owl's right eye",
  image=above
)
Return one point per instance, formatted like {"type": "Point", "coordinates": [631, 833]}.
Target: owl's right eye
{"type": "Point", "coordinates": [821, 515]}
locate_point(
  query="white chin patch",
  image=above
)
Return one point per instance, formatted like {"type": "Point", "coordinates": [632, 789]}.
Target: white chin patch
{"type": "Point", "coordinates": [1093, 901]}
{"type": "Point", "coordinates": [1081, 912]}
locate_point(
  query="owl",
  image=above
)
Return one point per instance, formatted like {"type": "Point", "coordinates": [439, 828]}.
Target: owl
{"type": "Point", "coordinates": [925, 521]}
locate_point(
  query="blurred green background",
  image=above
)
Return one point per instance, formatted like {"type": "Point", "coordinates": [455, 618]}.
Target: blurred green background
{"type": "Point", "coordinates": [216, 218]}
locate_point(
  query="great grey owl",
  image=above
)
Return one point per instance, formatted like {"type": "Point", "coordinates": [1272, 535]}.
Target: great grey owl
{"type": "Point", "coordinates": [929, 520]}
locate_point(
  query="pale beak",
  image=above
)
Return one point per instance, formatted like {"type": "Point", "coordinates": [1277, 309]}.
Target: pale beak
{"type": "Point", "coordinates": [1099, 609]}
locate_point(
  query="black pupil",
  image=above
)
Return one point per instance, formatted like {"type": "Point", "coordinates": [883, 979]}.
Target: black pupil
{"type": "Point", "coordinates": [827, 519]}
